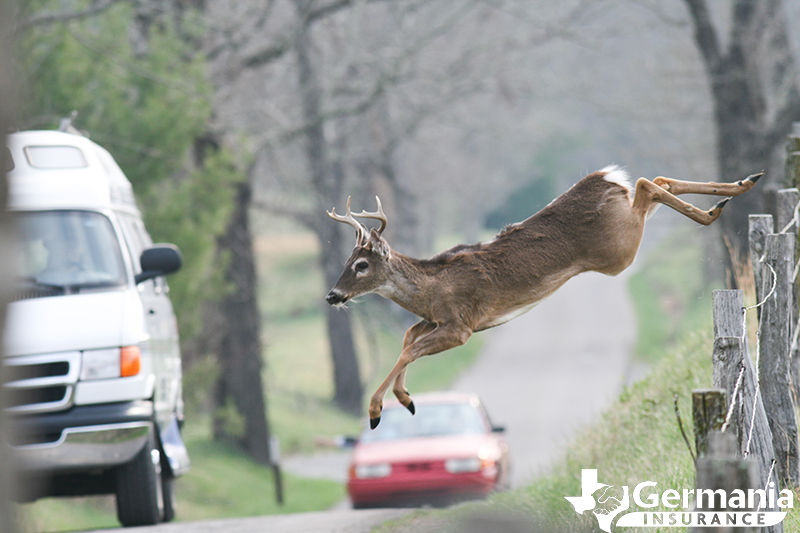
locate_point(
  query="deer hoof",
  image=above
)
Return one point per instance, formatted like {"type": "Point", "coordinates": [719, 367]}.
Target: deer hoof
{"type": "Point", "coordinates": [411, 407]}
{"type": "Point", "coordinates": [754, 177]}
{"type": "Point", "coordinates": [373, 422]}
{"type": "Point", "coordinates": [719, 205]}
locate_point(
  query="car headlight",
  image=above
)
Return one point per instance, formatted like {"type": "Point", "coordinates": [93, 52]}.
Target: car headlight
{"type": "Point", "coordinates": [373, 471]}
{"type": "Point", "coordinates": [111, 363]}
{"type": "Point", "coordinates": [459, 466]}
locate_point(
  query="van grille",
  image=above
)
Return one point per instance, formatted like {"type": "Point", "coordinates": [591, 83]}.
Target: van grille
{"type": "Point", "coordinates": [30, 397]}
{"type": "Point", "coordinates": [41, 383]}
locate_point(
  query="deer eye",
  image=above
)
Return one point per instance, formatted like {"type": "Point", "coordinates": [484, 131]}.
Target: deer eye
{"type": "Point", "coordinates": [361, 267]}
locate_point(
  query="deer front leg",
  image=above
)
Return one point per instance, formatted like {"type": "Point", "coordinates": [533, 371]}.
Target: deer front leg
{"type": "Point", "coordinates": [441, 338]}
{"type": "Point", "coordinates": [420, 329]}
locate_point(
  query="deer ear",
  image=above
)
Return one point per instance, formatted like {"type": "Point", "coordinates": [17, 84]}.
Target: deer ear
{"type": "Point", "coordinates": [377, 244]}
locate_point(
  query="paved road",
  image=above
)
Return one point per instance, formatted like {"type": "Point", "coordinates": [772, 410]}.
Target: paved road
{"type": "Point", "coordinates": [339, 521]}
{"type": "Point", "coordinates": [552, 370]}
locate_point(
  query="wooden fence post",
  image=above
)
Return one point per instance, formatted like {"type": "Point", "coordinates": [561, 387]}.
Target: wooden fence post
{"type": "Point", "coordinates": [774, 365]}
{"type": "Point", "coordinates": [793, 180]}
{"type": "Point", "coordinates": [784, 210]}
{"type": "Point", "coordinates": [760, 227]}
{"type": "Point", "coordinates": [793, 157]}
{"type": "Point", "coordinates": [709, 407]}
{"type": "Point", "coordinates": [731, 358]}
{"type": "Point", "coordinates": [722, 468]}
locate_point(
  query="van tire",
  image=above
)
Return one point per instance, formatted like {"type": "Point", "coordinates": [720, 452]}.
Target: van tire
{"type": "Point", "coordinates": [139, 488]}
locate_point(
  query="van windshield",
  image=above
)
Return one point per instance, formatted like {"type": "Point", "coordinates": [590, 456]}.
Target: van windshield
{"type": "Point", "coordinates": [66, 251]}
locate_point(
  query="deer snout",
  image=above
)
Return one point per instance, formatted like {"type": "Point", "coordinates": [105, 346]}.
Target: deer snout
{"type": "Point", "coordinates": [336, 297]}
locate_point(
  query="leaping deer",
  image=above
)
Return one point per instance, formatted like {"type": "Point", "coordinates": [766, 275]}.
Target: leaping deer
{"type": "Point", "coordinates": [596, 225]}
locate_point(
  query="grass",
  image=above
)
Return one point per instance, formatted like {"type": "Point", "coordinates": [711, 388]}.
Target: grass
{"type": "Point", "coordinates": [671, 293]}
{"type": "Point", "coordinates": [222, 483]}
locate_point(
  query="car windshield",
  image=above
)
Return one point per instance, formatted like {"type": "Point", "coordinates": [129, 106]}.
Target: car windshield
{"type": "Point", "coordinates": [68, 250]}
{"type": "Point", "coordinates": [431, 420]}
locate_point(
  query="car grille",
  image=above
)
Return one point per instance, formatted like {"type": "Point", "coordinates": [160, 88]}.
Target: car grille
{"type": "Point", "coordinates": [41, 383]}
{"type": "Point", "coordinates": [417, 467]}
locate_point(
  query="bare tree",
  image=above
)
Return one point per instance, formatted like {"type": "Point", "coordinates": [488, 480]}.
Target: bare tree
{"type": "Point", "coordinates": [341, 73]}
{"type": "Point", "coordinates": [239, 348]}
{"type": "Point", "coordinates": [754, 87]}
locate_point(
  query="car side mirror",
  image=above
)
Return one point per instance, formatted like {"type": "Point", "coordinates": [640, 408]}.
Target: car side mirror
{"type": "Point", "coordinates": [349, 442]}
{"type": "Point", "coordinates": [160, 260]}
{"type": "Point", "coordinates": [498, 429]}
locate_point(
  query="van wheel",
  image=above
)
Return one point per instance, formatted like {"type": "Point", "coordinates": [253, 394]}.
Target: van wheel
{"type": "Point", "coordinates": [139, 488]}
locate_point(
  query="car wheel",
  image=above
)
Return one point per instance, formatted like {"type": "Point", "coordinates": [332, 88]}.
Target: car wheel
{"type": "Point", "coordinates": [139, 487]}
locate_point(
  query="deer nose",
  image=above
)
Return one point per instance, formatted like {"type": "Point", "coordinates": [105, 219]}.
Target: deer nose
{"type": "Point", "coordinates": [335, 297]}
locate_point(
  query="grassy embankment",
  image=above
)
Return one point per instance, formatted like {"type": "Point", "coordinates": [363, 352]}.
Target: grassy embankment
{"type": "Point", "coordinates": [298, 378]}
{"type": "Point", "coordinates": [638, 438]}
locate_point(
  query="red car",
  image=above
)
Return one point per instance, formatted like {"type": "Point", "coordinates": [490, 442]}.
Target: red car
{"type": "Point", "coordinates": [447, 452]}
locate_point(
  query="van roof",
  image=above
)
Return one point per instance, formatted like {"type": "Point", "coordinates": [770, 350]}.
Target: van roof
{"type": "Point", "coordinates": [58, 170]}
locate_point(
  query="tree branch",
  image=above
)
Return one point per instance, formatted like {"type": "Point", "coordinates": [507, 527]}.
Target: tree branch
{"type": "Point", "coordinates": [704, 34]}
{"type": "Point", "coordinates": [48, 17]}
{"type": "Point", "coordinates": [303, 217]}
{"type": "Point", "coordinates": [276, 51]}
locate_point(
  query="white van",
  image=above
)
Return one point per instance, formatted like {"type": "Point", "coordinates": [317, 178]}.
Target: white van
{"type": "Point", "coordinates": [91, 342]}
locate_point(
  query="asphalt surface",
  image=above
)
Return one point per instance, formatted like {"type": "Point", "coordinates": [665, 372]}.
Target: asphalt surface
{"type": "Point", "coordinates": [551, 371]}
{"type": "Point", "coordinates": [335, 521]}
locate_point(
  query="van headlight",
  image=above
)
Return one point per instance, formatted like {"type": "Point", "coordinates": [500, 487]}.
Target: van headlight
{"type": "Point", "coordinates": [460, 466]}
{"type": "Point", "coordinates": [111, 363]}
{"type": "Point", "coordinates": [373, 471]}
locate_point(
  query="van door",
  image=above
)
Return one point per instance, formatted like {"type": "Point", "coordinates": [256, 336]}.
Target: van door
{"type": "Point", "coordinates": [161, 323]}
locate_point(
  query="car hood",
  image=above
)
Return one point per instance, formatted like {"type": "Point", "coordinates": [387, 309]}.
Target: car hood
{"type": "Point", "coordinates": [73, 322]}
{"type": "Point", "coordinates": [427, 449]}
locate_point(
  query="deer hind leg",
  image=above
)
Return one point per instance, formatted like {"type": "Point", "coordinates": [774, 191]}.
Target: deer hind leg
{"type": "Point", "coordinates": [677, 187]}
{"type": "Point", "coordinates": [664, 190]}
{"type": "Point", "coordinates": [420, 329]}
{"type": "Point", "coordinates": [441, 337]}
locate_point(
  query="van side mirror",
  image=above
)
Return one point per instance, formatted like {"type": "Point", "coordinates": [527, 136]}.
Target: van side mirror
{"type": "Point", "coordinates": [160, 260]}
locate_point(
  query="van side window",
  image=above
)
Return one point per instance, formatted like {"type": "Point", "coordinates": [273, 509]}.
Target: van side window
{"type": "Point", "coordinates": [138, 241]}
{"type": "Point", "coordinates": [136, 237]}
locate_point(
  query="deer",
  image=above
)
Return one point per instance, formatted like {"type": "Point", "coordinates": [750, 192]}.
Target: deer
{"type": "Point", "coordinates": [596, 225]}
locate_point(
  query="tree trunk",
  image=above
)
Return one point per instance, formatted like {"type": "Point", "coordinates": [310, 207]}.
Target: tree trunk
{"type": "Point", "coordinates": [327, 181]}
{"type": "Point", "coordinates": [755, 96]}
{"type": "Point", "coordinates": [240, 350]}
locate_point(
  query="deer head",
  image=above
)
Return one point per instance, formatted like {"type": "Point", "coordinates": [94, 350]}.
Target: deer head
{"type": "Point", "coordinates": [366, 269]}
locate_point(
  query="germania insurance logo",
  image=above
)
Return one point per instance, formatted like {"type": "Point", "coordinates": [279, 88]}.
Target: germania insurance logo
{"type": "Point", "coordinates": [753, 507]}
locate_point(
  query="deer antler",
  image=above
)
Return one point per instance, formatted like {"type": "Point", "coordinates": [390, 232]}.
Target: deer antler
{"type": "Point", "coordinates": [347, 218]}
{"type": "Point", "coordinates": [378, 215]}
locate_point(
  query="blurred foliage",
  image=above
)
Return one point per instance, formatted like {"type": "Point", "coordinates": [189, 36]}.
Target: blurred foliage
{"type": "Point", "coordinates": [147, 109]}
{"type": "Point", "coordinates": [540, 181]}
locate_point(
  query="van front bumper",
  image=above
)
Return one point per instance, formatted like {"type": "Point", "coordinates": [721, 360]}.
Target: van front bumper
{"type": "Point", "coordinates": [83, 437]}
